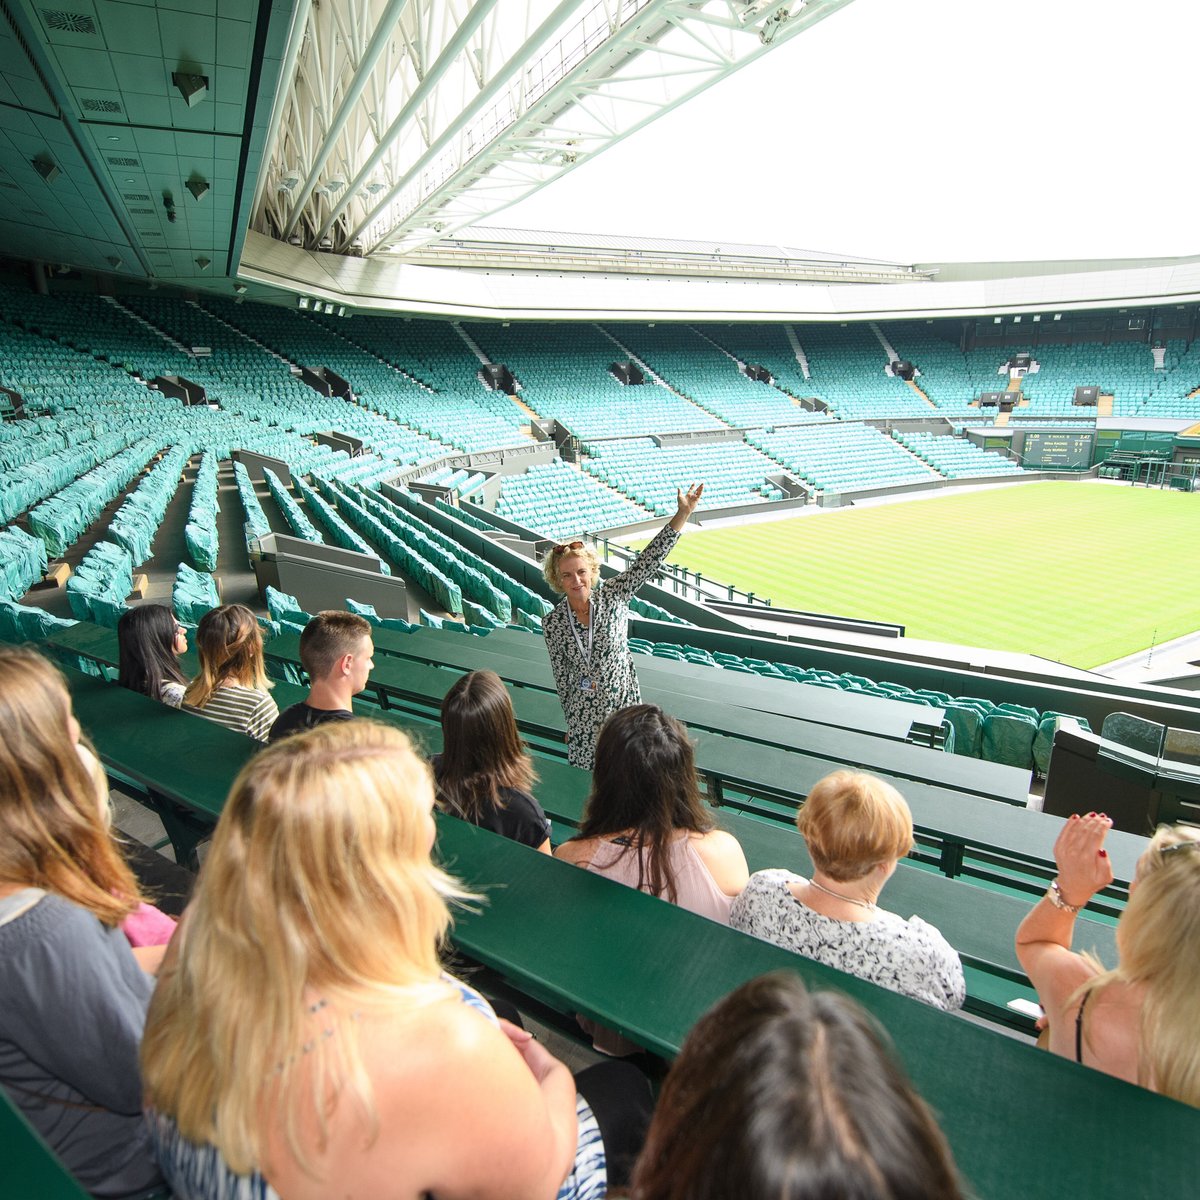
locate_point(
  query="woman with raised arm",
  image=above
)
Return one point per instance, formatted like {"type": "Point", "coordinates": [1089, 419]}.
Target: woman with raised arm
{"type": "Point", "coordinates": [304, 1040]}
{"type": "Point", "coordinates": [587, 633]}
{"type": "Point", "coordinates": [1137, 1021]}
{"type": "Point", "coordinates": [232, 687]}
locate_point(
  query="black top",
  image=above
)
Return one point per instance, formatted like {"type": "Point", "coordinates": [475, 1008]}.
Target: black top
{"type": "Point", "coordinates": [302, 716]}
{"type": "Point", "coordinates": [521, 819]}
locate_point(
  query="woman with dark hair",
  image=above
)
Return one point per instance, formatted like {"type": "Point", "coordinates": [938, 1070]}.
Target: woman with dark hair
{"type": "Point", "coordinates": [483, 773]}
{"type": "Point", "coordinates": [779, 1094]}
{"type": "Point", "coordinates": [231, 688]}
{"type": "Point", "coordinates": [150, 641]}
{"type": "Point", "coordinates": [645, 825]}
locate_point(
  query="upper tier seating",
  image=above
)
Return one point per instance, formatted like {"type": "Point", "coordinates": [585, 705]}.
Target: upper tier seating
{"type": "Point", "coordinates": [563, 371]}
{"type": "Point", "coordinates": [843, 458]}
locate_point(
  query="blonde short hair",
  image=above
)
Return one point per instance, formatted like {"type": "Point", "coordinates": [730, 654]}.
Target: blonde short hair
{"type": "Point", "coordinates": [553, 560]}
{"type": "Point", "coordinates": [852, 822]}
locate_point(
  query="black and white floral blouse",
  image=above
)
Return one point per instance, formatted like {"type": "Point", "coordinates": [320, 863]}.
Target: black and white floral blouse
{"type": "Point", "coordinates": [611, 682]}
{"type": "Point", "coordinates": [909, 957]}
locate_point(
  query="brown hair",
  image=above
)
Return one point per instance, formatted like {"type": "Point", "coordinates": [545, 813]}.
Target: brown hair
{"type": "Point", "coordinates": [782, 1094]}
{"type": "Point", "coordinates": [229, 643]}
{"type": "Point", "coordinates": [482, 751]}
{"type": "Point", "coordinates": [644, 780]}
{"type": "Point", "coordinates": [851, 822]}
{"type": "Point", "coordinates": [329, 636]}
{"type": "Point", "coordinates": [52, 834]}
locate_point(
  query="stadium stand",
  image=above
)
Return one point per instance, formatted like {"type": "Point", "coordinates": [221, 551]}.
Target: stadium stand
{"type": "Point", "coordinates": [956, 458]}
{"type": "Point", "coordinates": [557, 500]}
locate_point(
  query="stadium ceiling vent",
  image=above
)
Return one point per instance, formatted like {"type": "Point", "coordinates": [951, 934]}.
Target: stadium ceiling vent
{"type": "Point", "coordinates": [403, 127]}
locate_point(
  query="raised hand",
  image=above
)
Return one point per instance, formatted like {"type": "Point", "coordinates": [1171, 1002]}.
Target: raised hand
{"type": "Point", "coordinates": [689, 499]}
{"type": "Point", "coordinates": [1084, 867]}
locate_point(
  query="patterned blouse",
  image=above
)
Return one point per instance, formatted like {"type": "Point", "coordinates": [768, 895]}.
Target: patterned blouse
{"type": "Point", "coordinates": [909, 957]}
{"type": "Point", "coordinates": [592, 689]}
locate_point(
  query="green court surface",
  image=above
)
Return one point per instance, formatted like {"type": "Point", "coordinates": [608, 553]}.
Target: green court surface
{"type": "Point", "coordinates": [1075, 572]}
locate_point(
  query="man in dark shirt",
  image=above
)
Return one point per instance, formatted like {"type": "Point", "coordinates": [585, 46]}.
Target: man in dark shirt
{"type": "Point", "coordinates": [336, 651]}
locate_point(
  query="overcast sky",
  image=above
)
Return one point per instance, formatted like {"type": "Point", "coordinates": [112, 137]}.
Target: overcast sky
{"type": "Point", "coordinates": [925, 130]}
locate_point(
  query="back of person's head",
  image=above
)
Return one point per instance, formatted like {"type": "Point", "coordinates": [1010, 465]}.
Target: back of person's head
{"type": "Point", "coordinates": [52, 831]}
{"type": "Point", "coordinates": [318, 883]}
{"type": "Point", "coordinates": [146, 649]}
{"type": "Point", "coordinates": [851, 822]}
{"type": "Point", "coordinates": [1158, 941]}
{"type": "Point", "coordinates": [482, 750]}
{"type": "Point", "coordinates": [229, 644]}
{"type": "Point", "coordinates": [644, 780]}
{"type": "Point", "coordinates": [328, 638]}
{"type": "Point", "coordinates": [782, 1094]}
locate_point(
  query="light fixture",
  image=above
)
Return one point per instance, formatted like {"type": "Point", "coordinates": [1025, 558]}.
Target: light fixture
{"type": "Point", "coordinates": [1036, 317]}
{"type": "Point", "coordinates": [46, 167]}
{"type": "Point", "coordinates": [192, 86]}
{"type": "Point", "coordinates": [113, 261]}
{"type": "Point", "coordinates": [302, 302]}
{"type": "Point", "coordinates": [240, 288]}
{"type": "Point", "coordinates": [289, 179]}
{"type": "Point", "coordinates": [295, 240]}
{"type": "Point", "coordinates": [341, 310]}
{"type": "Point", "coordinates": [203, 263]}
{"type": "Point", "coordinates": [198, 187]}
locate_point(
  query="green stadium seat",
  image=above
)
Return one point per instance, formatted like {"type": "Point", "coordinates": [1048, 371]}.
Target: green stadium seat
{"type": "Point", "coordinates": [1008, 738]}
{"type": "Point", "coordinates": [967, 724]}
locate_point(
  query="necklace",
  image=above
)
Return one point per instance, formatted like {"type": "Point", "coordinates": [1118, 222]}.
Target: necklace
{"type": "Point", "coordinates": [869, 905]}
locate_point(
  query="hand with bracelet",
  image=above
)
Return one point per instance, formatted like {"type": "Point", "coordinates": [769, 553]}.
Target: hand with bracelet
{"type": "Point", "coordinates": [1083, 864]}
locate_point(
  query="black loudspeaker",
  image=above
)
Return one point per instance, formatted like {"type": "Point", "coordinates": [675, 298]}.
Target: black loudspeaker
{"type": "Point", "coordinates": [1089, 396]}
{"type": "Point", "coordinates": [758, 373]}
{"type": "Point", "coordinates": [496, 377]}
{"type": "Point", "coordinates": [902, 368]}
{"type": "Point", "coordinates": [1021, 362]}
{"type": "Point", "coordinates": [628, 373]}
{"type": "Point", "coordinates": [990, 399]}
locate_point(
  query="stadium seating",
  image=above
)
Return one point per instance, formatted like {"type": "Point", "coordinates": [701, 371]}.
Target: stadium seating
{"type": "Point", "coordinates": [956, 458]}
{"type": "Point", "coordinates": [558, 501]}
{"type": "Point", "coordinates": [843, 457]}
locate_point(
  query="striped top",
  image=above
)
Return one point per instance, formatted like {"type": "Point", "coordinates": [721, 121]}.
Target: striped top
{"type": "Point", "coordinates": [241, 709]}
{"type": "Point", "coordinates": [198, 1172]}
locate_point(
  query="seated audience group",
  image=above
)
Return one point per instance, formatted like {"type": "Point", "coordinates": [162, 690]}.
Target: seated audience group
{"type": "Point", "coordinates": [303, 1030]}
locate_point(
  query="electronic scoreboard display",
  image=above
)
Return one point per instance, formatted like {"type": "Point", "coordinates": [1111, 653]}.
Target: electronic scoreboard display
{"type": "Point", "coordinates": [1061, 449]}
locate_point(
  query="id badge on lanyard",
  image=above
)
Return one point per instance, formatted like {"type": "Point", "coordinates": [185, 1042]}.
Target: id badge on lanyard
{"type": "Point", "coordinates": [586, 683]}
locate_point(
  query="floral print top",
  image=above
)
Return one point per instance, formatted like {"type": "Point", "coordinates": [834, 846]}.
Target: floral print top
{"type": "Point", "coordinates": [910, 957]}
{"type": "Point", "coordinates": [592, 690]}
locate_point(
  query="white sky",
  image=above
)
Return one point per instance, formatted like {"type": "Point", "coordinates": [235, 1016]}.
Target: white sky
{"type": "Point", "coordinates": [1038, 129]}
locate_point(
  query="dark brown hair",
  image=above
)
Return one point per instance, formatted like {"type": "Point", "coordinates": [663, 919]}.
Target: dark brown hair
{"type": "Point", "coordinates": [779, 1094]}
{"type": "Point", "coordinates": [644, 780]}
{"type": "Point", "coordinates": [329, 636]}
{"type": "Point", "coordinates": [146, 649]}
{"type": "Point", "coordinates": [482, 751]}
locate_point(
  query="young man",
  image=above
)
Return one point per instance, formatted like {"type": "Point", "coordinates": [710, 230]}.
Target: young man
{"type": "Point", "coordinates": [335, 650]}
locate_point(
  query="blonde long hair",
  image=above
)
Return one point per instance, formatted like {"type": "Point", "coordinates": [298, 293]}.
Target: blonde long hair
{"type": "Point", "coordinates": [229, 643]}
{"type": "Point", "coordinates": [52, 829]}
{"type": "Point", "coordinates": [318, 885]}
{"type": "Point", "coordinates": [1158, 937]}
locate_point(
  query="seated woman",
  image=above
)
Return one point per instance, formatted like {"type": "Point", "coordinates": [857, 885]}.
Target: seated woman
{"type": "Point", "coordinates": [150, 641]}
{"type": "Point", "coordinates": [72, 995]}
{"type": "Point", "coordinates": [231, 688]}
{"type": "Point", "coordinates": [304, 1040]}
{"type": "Point", "coordinates": [483, 773]}
{"type": "Point", "coordinates": [857, 829]}
{"type": "Point", "coordinates": [644, 823]}
{"type": "Point", "coordinates": [781, 1093]}
{"type": "Point", "coordinates": [1138, 1020]}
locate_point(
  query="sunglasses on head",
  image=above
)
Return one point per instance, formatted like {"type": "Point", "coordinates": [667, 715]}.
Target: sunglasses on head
{"type": "Point", "coordinates": [568, 546]}
{"type": "Point", "coordinates": [1188, 844]}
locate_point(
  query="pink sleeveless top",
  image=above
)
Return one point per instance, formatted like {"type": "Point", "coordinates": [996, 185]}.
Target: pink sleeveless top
{"type": "Point", "coordinates": [695, 888]}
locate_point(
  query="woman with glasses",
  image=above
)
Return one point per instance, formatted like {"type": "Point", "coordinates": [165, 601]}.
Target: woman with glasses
{"type": "Point", "coordinates": [857, 828]}
{"type": "Point", "coordinates": [150, 641]}
{"type": "Point", "coordinates": [1138, 1020]}
{"type": "Point", "coordinates": [587, 634]}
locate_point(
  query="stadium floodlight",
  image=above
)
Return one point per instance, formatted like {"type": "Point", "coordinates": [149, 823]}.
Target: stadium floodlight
{"type": "Point", "coordinates": [302, 302]}
{"type": "Point", "coordinates": [46, 167]}
{"type": "Point", "coordinates": [203, 263]}
{"type": "Point", "coordinates": [192, 86]}
{"type": "Point", "coordinates": [198, 187]}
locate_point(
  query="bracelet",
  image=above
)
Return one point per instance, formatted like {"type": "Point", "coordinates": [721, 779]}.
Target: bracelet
{"type": "Point", "coordinates": [1055, 896]}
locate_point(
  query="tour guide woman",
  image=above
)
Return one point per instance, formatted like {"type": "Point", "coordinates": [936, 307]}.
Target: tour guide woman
{"type": "Point", "coordinates": [587, 635]}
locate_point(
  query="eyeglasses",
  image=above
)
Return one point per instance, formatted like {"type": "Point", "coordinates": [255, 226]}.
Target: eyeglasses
{"type": "Point", "coordinates": [1188, 844]}
{"type": "Point", "coordinates": [569, 546]}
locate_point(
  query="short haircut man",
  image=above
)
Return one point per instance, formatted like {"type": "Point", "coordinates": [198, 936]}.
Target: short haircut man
{"type": "Point", "coordinates": [336, 650]}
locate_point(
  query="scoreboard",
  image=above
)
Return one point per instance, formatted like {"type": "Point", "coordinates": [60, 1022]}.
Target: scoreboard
{"type": "Point", "coordinates": [1059, 449]}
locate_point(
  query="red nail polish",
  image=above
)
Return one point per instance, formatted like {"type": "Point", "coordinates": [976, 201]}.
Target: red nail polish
{"type": "Point", "coordinates": [1103, 853]}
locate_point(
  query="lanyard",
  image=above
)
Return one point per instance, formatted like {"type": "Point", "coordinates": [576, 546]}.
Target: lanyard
{"type": "Point", "coordinates": [593, 613]}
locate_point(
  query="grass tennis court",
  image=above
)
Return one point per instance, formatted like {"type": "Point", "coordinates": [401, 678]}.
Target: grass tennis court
{"type": "Point", "coordinates": [1078, 573]}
